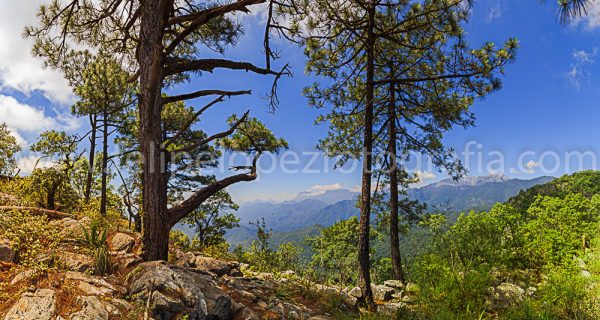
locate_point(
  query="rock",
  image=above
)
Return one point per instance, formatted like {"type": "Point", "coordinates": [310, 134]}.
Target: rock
{"type": "Point", "coordinates": [122, 261]}
{"type": "Point", "coordinates": [178, 291]}
{"type": "Point", "coordinates": [262, 304]}
{"type": "Point", "coordinates": [92, 309]}
{"type": "Point", "coordinates": [93, 285]}
{"type": "Point", "coordinates": [6, 252]}
{"type": "Point", "coordinates": [70, 228]}
{"type": "Point", "coordinates": [39, 305]}
{"type": "Point", "coordinates": [505, 295]}
{"type": "Point", "coordinates": [288, 273]}
{"type": "Point", "coordinates": [396, 284]}
{"type": "Point", "coordinates": [23, 276]}
{"type": "Point", "coordinates": [235, 272]}
{"type": "Point", "coordinates": [74, 261]}
{"type": "Point", "coordinates": [248, 314]}
{"type": "Point", "coordinates": [264, 276]}
{"type": "Point", "coordinates": [356, 292]}
{"type": "Point", "coordinates": [382, 293]}
{"type": "Point", "coordinates": [218, 267]}
{"type": "Point", "coordinates": [121, 242]}
{"type": "Point", "coordinates": [392, 308]}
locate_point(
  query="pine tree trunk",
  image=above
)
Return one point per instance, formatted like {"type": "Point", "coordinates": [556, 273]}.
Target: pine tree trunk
{"type": "Point", "coordinates": [394, 232]}
{"type": "Point", "coordinates": [90, 173]}
{"type": "Point", "coordinates": [155, 236]}
{"type": "Point", "coordinates": [365, 205]}
{"type": "Point", "coordinates": [104, 173]}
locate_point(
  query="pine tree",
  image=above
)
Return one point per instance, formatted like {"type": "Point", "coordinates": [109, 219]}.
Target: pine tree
{"type": "Point", "coordinates": [161, 42]}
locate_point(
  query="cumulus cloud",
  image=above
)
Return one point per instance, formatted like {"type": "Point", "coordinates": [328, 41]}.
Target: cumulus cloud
{"type": "Point", "coordinates": [28, 121]}
{"type": "Point", "coordinates": [27, 164]}
{"type": "Point", "coordinates": [19, 70]}
{"type": "Point", "coordinates": [424, 175]}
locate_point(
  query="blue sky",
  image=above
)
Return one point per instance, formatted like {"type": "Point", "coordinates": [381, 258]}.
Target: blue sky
{"type": "Point", "coordinates": [548, 106]}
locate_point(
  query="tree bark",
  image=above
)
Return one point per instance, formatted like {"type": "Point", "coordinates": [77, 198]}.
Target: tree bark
{"type": "Point", "coordinates": [90, 173]}
{"type": "Point", "coordinates": [104, 173]}
{"type": "Point", "coordinates": [393, 168]}
{"type": "Point", "coordinates": [365, 205]}
{"type": "Point", "coordinates": [156, 229]}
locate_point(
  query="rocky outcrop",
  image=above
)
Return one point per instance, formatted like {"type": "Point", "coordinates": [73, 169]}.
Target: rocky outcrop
{"type": "Point", "coordinates": [74, 261]}
{"type": "Point", "coordinates": [121, 242]}
{"type": "Point", "coordinates": [217, 267]}
{"type": "Point", "coordinates": [38, 305]}
{"type": "Point", "coordinates": [196, 287]}
{"type": "Point", "coordinates": [171, 291]}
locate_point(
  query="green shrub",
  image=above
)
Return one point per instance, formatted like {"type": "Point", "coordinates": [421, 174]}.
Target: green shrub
{"type": "Point", "coordinates": [31, 236]}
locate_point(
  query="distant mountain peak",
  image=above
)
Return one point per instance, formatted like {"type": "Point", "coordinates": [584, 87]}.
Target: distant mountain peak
{"type": "Point", "coordinates": [470, 181]}
{"type": "Point", "coordinates": [328, 196]}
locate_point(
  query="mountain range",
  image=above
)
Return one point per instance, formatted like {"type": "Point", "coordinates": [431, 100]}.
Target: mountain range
{"type": "Point", "coordinates": [308, 212]}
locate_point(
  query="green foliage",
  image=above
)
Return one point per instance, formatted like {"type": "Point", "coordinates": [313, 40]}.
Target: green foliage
{"type": "Point", "coordinates": [559, 228]}
{"type": "Point", "coordinates": [210, 222]}
{"type": "Point", "coordinates": [95, 237]}
{"type": "Point", "coordinates": [252, 136]}
{"type": "Point", "coordinates": [96, 234]}
{"type": "Point", "coordinates": [180, 240]}
{"type": "Point", "coordinates": [585, 183]}
{"type": "Point", "coordinates": [335, 250]}
{"type": "Point", "coordinates": [535, 247]}
{"type": "Point", "coordinates": [31, 236]}
{"type": "Point", "coordinates": [8, 148]}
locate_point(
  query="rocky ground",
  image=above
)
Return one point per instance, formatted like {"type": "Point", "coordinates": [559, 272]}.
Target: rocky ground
{"type": "Point", "coordinates": [193, 287]}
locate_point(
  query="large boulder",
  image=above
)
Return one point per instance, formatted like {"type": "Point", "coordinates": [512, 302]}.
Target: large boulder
{"type": "Point", "coordinates": [382, 293]}
{"type": "Point", "coordinates": [121, 242]}
{"type": "Point", "coordinates": [174, 291]}
{"type": "Point", "coordinates": [396, 284]}
{"type": "Point", "coordinates": [96, 286]}
{"type": "Point", "coordinates": [218, 267]}
{"type": "Point", "coordinates": [74, 261]}
{"type": "Point", "coordinates": [38, 305]}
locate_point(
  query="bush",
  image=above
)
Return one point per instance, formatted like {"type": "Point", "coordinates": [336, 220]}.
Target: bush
{"type": "Point", "coordinates": [31, 236]}
{"type": "Point", "coordinates": [95, 236]}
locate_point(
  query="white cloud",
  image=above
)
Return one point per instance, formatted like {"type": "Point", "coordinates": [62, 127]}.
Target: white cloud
{"type": "Point", "coordinates": [27, 164]}
{"type": "Point", "coordinates": [19, 70]}
{"type": "Point", "coordinates": [26, 120]}
{"type": "Point", "coordinates": [495, 12]}
{"type": "Point", "coordinates": [320, 189]}
{"type": "Point", "coordinates": [425, 175]}
{"type": "Point", "coordinates": [592, 19]}
{"type": "Point", "coordinates": [578, 70]}
{"type": "Point", "coordinates": [531, 166]}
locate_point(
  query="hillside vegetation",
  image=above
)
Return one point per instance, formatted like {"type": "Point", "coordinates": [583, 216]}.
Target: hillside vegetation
{"type": "Point", "coordinates": [532, 257]}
